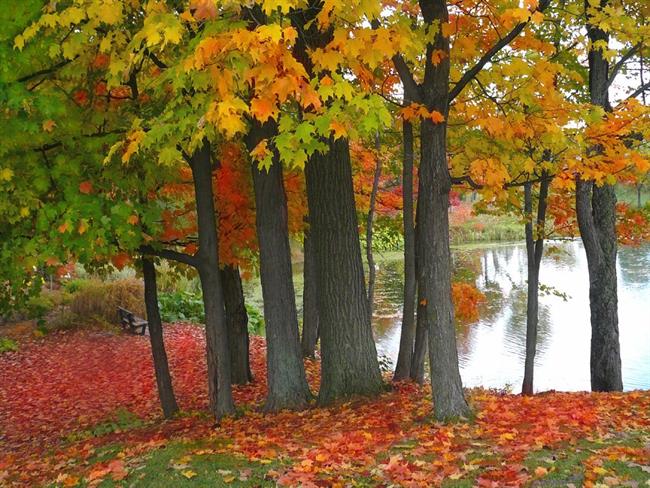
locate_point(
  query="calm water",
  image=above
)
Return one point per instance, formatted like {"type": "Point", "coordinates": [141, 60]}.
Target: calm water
{"type": "Point", "coordinates": [491, 351]}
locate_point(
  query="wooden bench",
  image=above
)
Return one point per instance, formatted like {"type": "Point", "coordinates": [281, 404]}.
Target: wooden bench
{"type": "Point", "coordinates": [131, 323]}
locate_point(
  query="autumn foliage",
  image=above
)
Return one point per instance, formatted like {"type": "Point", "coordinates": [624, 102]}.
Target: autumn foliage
{"type": "Point", "coordinates": [388, 440]}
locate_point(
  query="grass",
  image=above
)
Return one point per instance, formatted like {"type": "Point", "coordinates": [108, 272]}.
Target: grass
{"type": "Point", "coordinates": [179, 464]}
{"type": "Point", "coordinates": [571, 464]}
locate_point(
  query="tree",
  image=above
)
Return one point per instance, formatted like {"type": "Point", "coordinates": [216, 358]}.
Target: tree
{"type": "Point", "coordinates": [403, 368]}
{"type": "Point", "coordinates": [596, 197]}
{"type": "Point", "coordinates": [161, 367]}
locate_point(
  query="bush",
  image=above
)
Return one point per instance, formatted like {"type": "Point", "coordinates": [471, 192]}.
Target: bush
{"type": "Point", "coordinates": [256, 324]}
{"type": "Point", "coordinates": [97, 301]}
{"type": "Point", "coordinates": [39, 306]}
{"type": "Point", "coordinates": [181, 306]}
{"type": "Point", "coordinates": [7, 345]}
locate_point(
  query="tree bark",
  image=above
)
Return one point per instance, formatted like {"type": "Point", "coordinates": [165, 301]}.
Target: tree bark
{"type": "Point", "coordinates": [372, 272]}
{"type": "Point", "coordinates": [287, 382]}
{"type": "Point", "coordinates": [596, 213]}
{"type": "Point", "coordinates": [534, 252]}
{"type": "Point", "coordinates": [237, 325]}
{"type": "Point", "coordinates": [349, 358]}
{"type": "Point", "coordinates": [433, 228]}
{"type": "Point", "coordinates": [309, 300]}
{"type": "Point", "coordinates": [160, 363]}
{"type": "Point", "coordinates": [408, 332]}
{"type": "Point", "coordinates": [216, 333]}
{"type": "Point", "coordinates": [349, 363]}
{"type": "Point", "coordinates": [421, 348]}
{"type": "Point", "coordinates": [596, 207]}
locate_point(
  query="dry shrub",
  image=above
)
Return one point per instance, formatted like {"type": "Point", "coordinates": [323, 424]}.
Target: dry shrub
{"type": "Point", "coordinates": [98, 300]}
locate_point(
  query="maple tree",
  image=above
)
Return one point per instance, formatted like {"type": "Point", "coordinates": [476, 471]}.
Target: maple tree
{"type": "Point", "coordinates": [145, 130]}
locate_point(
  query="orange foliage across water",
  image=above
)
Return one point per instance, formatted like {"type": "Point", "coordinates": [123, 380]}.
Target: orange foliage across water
{"type": "Point", "coordinates": [70, 381]}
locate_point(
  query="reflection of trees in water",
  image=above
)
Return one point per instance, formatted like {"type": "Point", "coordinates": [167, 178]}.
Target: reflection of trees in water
{"type": "Point", "coordinates": [466, 264]}
{"type": "Point", "coordinates": [516, 323]}
{"type": "Point", "coordinates": [389, 290]}
{"type": "Point", "coordinates": [634, 263]}
{"type": "Point", "coordinates": [561, 253]}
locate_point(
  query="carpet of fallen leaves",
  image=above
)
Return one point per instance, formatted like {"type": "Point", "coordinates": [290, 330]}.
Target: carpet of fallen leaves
{"type": "Point", "coordinates": [70, 381]}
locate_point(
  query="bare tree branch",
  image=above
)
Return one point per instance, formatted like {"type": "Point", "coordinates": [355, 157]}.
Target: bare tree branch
{"type": "Point", "coordinates": [487, 57]}
{"type": "Point", "coordinates": [621, 62]}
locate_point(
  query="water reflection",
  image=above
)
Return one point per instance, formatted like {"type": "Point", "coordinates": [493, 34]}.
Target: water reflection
{"type": "Point", "coordinates": [491, 352]}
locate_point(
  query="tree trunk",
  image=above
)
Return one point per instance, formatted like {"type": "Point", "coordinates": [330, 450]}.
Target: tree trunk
{"type": "Point", "coordinates": [421, 348]}
{"type": "Point", "coordinates": [595, 209]}
{"type": "Point", "coordinates": [534, 252]}
{"type": "Point", "coordinates": [433, 228]}
{"type": "Point", "coordinates": [349, 358]}
{"type": "Point", "coordinates": [216, 333]}
{"type": "Point", "coordinates": [237, 325]}
{"type": "Point", "coordinates": [309, 300]}
{"type": "Point", "coordinates": [639, 187]}
{"type": "Point", "coordinates": [160, 364]}
{"type": "Point", "coordinates": [287, 382]}
{"type": "Point", "coordinates": [596, 212]}
{"type": "Point", "coordinates": [407, 337]}
{"type": "Point", "coordinates": [372, 273]}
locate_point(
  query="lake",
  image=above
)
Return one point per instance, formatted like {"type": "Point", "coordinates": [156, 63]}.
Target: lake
{"type": "Point", "coordinates": [491, 351]}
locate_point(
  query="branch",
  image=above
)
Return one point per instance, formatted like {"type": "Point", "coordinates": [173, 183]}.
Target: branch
{"type": "Point", "coordinates": [619, 65]}
{"type": "Point", "coordinates": [46, 71]}
{"type": "Point", "coordinates": [411, 87]}
{"type": "Point", "coordinates": [487, 57]}
{"type": "Point", "coordinates": [459, 180]}
{"type": "Point", "coordinates": [639, 91]}
{"type": "Point", "coordinates": [172, 255]}
{"type": "Point", "coordinates": [156, 60]}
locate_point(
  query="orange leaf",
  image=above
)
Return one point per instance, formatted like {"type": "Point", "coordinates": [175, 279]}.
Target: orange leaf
{"type": "Point", "coordinates": [49, 125]}
{"type": "Point", "coordinates": [262, 109]}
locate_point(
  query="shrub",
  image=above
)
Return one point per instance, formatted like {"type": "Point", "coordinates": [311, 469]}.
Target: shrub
{"type": "Point", "coordinates": [181, 306]}
{"type": "Point", "coordinates": [7, 345]}
{"type": "Point", "coordinates": [38, 306]}
{"type": "Point", "coordinates": [97, 301]}
{"type": "Point", "coordinates": [255, 320]}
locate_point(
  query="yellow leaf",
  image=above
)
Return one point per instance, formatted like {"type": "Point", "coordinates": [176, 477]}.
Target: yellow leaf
{"type": "Point", "coordinates": [188, 473]}
{"type": "Point", "coordinates": [508, 436]}
{"type": "Point", "coordinates": [537, 18]}
{"type": "Point", "coordinates": [132, 145]}
{"type": "Point", "coordinates": [107, 11]}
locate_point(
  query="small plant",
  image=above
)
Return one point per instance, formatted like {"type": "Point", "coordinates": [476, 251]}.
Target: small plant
{"type": "Point", "coordinates": [181, 306]}
{"type": "Point", "coordinates": [8, 345]}
{"type": "Point", "coordinates": [39, 306]}
{"type": "Point", "coordinates": [255, 320]}
{"type": "Point", "coordinates": [122, 420]}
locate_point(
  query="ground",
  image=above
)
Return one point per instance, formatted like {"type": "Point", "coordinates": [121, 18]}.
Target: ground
{"type": "Point", "coordinates": [80, 409]}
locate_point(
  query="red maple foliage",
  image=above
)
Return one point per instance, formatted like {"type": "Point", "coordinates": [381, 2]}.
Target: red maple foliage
{"type": "Point", "coordinates": [72, 380]}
